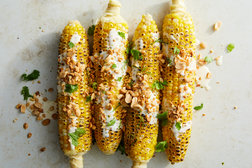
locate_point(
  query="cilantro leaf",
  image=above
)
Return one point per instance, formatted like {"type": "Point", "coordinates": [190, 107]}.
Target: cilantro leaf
{"type": "Point", "coordinates": [119, 79]}
{"type": "Point", "coordinates": [91, 30]}
{"type": "Point", "coordinates": [198, 107]}
{"type": "Point", "coordinates": [161, 146]}
{"type": "Point", "coordinates": [137, 55]}
{"type": "Point", "coordinates": [121, 147]}
{"type": "Point", "coordinates": [169, 61]}
{"type": "Point", "coordinates": [111, 122]}
{"type": "Point", "coordinates": [178, 125]}
{"type": "Point", "coordinates": [32, 76]}
{"type": "Point", "coordinates": [162, 116]}
{"type": "Point", "coordinates": [159, 85]}
{"type": "Point", "coordinates": [76, 135]}
{"type": "Point", "coordinates": [114, 66]}
{"type": "Point", "coordinates": [129, 47]}
{"type": "Point", "coordinates": [176, 50]}
{"type": "Point", "coordinates": [121, 34]}
{"type": "Point", "coordinates": [94, 85]}
{"type": "Point", "coordinates": [71, 88]}
{"type": "Point", "coordinates": [230, 47]}
{"type": "Point", "coordinates": [71, 44]}
{"type": "Point", "coordinates": [88, 98]}
{"type": "Point", "coordinates": [208, 59]}
{"type": "Point", "coordinates": [25, 93]}
{"type": "Point", "coordinates": [164, 122]}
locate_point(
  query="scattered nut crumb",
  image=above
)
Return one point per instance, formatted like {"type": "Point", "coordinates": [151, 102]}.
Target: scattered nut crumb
{"type": "Point", "coordinates": [202, 45]}
{"type": "Point", "coordinates": [208, 75]}
{"type": "Point", "coordinates": [23, 108]}
{"type": "Point", "coordinates": [29, 154]}
{"type": "Point", "coordinates": [27, 104]}
{"type": "Point", "coordinates": [217, 82]}
{"type": "Point", "coordinates": [46, 122]}
{"type": "Point", "coordinates": [38, 118]}
{"type": "Point", "coordinates": [37, 93]}
{"type": "Point", "coordinates": [55, 116]}
{"type": "Point", "coordinates": [235, 107]}
{"type": "Point", "coordinates": [203, 114]}
{"type": "Point", "coordinates": [29, 135]}
{"type": "Point", "coordinates": [42, 149]}
{"type": "Point", "coordinates": [25, 126]}
{"type": "Point", "coordinates": [18, 106]}
{"type": "Point", "coordinates": [217, 25]}
{"type": "Point", "coordinates": [45, 99]}
{"type": "Point", "coordinates": [38, 105]}
{"type": "Point", "coordinates": [50, 90]}
{"type": "Point", "coordinates": [15, 120]}
{"type": "Point", "coordinates": [51, 108]}
{"type": "Point", "coordinates": [211, 51]}
{"type": "Point", "coordinates": [39, 82]}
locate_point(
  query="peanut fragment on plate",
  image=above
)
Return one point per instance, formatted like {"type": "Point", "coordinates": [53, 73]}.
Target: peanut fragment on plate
{"type": "Point", "coordinates": [202, 45]}
{"type": "Point", "coordinates": [42, 149]}
{"type": "Point", "coordinates": [217, 25]}
{"type": "Point", "coordinates": [23, 108]}
{"type": "Point", "coordinates": [25, 126]}
{"type": "Point", "coordinates": [46, 122]}
{"type": "Point", "coordinates": [29, 135]}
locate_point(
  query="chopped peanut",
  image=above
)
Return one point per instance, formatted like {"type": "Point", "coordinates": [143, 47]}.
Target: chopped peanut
{"type": "Point", "coordinates": [217, 25]}
{"type": "Point", "coordinates": [202, 45]}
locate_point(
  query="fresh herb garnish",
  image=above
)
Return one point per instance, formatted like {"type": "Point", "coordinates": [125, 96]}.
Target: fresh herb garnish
{"type": "Point", "coordinates": [32, 76]}
{"type": "Point", "coordinates": [208, 59]}
{"type": "Point", "coordinates": [163, 118]}
{"type": "Point", "coordinates": [121, 34]}
{"type": "Point", "coordinates": [121, 148]}
{"type": "Point", "coordinates": [222, 163]}
{"type": "Point", "coordinates": [88, 98]}
{"type": "Point", "coordinates": [176, 50]}
{"type": "Point", "coordinates": [114, 66]}
{"type": "Point", "coordinates": [178, 125]}
{"type": "Point", "coordinates": [161, 146]}
{"type": "Point", "coordinates": [129, 47]}
{"type": "Point", "coordinates": [111, 122]}
{"type": "Point", "coordinates": [137, 55]}
{"type": "Point", "coordinates": [198, 107]}
{"type": "Point", "coordinates": [71, 44]}
{"type": "Point", "coordinates": [169, 61]}
{"type": "Point", "coordinates": [230, 47]}
{"type": "Point", "coordinates": [71, 88]}
{"type": "Point", "coordinates": [76, 135]}
{"type": "Point", "coordinates": [25, 93]}
{"type": "Point", "coordinates": [94, 85]}
{"type": "Point", "coordinates": [91, 30]}
{"type": "Point", "coordinates": [131, 83]}
{"type": "Point", "coordinates": [119, 79]}
{"type": "Point", "coordinates": [159, 85]}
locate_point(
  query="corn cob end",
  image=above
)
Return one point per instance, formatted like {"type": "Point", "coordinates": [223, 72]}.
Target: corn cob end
{"type": "Point", "coordinates": [76, 161]}
{"type": "Point", "coordinates": [137, 164]}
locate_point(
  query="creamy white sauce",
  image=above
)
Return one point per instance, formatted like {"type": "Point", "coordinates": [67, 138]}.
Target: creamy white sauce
{"type": "Point", "coordinates": [192, 65]}
{"type": "Point", "coordinates": [201, 73]}
{"type": "Point", "coordinates": [139, 43]}
{"type": "Point", "coordinates": [75, 38]}
{"type": "Point", "coordinates": [184, 128]}
{"type": "Point", "coordinates": [135, 68]}
{"type": "Point", "coordinates": [219, 60]}
{"type": "Point", "coordinates": [116, 43]}
{"type": "Point", "coordinates": [74, 58]}
{"type": "Point", "coordinates": [184, 93]}
{"type": "Point", "coordinates": [155, 37]}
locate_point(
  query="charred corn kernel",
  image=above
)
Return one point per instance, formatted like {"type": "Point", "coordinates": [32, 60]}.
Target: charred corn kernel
{"type": "Point", "coordinates": [179, 72]}
{"type": "Point", "coordinates": [74, 111]}
{"type": "Point", "coordinates": [141, 131]}
{"type": "Point", "coordinates": [110, 41]}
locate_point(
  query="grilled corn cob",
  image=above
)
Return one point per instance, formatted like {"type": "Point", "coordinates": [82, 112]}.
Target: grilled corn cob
{"type": "Point", "coordinates": [73, 97]}
{"type": "Point", "coordinates": [141, 130]}
{"type": "Point", "coordinates": [179, 72]}
{"type": "Point", "coordinates": [110, 41]}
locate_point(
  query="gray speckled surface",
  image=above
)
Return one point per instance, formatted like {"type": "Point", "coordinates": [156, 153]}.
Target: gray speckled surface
{"type": "Point", "coordinates": [223, 135]}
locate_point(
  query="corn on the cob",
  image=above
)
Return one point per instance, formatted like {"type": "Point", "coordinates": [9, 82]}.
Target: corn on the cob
{"type": "Point", "coordinates": [110, 41]}
{"type": "Point", "coordinates": [73, 96]}
{"type": "Point", "coordinates": [179, 72]}
{"type": "Point", "coordinates": [141, 131]}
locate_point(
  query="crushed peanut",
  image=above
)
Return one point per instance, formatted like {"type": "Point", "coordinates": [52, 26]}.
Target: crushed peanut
{"type": "Point", "coordinates": [42, 149]}
{"type": "Point", "coordinates": [217, 25]}
{"type": "Point", "coordinates": [23, 108]}
{"type": "Point", "coordinates": [45, 99]}
{"type": "Point", "coordinates": [29, 135]}
{"type": "Point", "coordinates": [50, 90]}
{"type": "Point", "coordinates": [25, 126]}
{"type": "Point", "coordinates": [46, 122]}
{"type": "Point", "coordinates": [208, 75]}
{"type": "Point", "coordinates": [202, 45]}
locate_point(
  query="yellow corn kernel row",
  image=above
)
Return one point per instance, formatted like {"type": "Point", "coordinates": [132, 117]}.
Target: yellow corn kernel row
{"type": "Point", "coordinates": [110, 42]}
{"type": "Point", "coordinates": [140, 137]}
{"type": "Point", "coordinates": [73, 108]}
{"type": "Point", "coordinates": [179, 72]}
